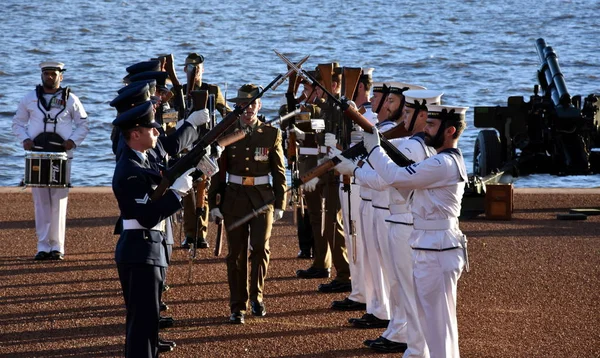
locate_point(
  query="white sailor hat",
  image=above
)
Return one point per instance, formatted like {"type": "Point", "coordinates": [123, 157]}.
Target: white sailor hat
{"type": "Point", "coordinates": [431, 97]}
{"type": "Point", "coordinates": [52, 66]}
{"type": "Point", "coordinates": [367, 73]}
{"type": "Point", "coordinates": [443, 113]}
{"type": "Point", "coordinates": [400, 87]}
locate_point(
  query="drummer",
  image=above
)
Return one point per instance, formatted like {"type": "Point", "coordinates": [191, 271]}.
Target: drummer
{"type": "Point", "coordinates": [51, 119]}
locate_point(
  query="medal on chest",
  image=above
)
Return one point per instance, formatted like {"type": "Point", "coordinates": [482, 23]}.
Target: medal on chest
{"type": "Point", "coordinates": [261, 154]}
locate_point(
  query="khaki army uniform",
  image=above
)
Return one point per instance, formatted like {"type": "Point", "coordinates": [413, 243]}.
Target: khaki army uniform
{"type": "Point", "coordinates": [189, 201]}
{"type": "Point", "coordinates": [330, 246]}
{"type": "Point", "coordinates": [255, 176]}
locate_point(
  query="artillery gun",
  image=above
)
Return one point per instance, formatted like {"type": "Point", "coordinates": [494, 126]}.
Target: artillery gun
{"type": "Point", "coordinates": [553, 133]}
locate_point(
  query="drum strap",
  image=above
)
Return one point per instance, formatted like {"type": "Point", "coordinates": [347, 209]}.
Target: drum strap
{"type": "Point", "coordinates": [46, 107]}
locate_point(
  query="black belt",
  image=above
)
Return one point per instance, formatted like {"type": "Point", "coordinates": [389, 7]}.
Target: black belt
{"type": "Point", "coordinates": [437, 250]}
{"type": "Point", "coordinates": [380, 207]}
{"type": "Point", "coordinates": [363, 199]}
{"type": "Point", "coordinates": [399, 222]}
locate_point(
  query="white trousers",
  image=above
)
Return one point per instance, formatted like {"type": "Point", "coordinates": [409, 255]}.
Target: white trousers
{"type": "Point", "coordinates": [404, 325]}
{"type": "Point", "coordinates": [354, 247]}
{"type": "Point", "coordinates": [378, 303]}
{"type": "Point", "coordinates": [50, 218]}
{"type": "Point", "coordinates": [436, 276]}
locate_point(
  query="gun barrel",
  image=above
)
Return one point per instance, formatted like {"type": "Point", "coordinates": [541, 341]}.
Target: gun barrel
{"type": "Point", "coordinates": [552, 75]}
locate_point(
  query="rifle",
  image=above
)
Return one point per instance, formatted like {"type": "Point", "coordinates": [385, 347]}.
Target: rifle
{"type": "Point", "coordinates": [212, 104]}
{"type": "Point", "coordinates": [352, 153]}
{"type": "Point", "coordinates": [395, 155]}
{"type": "Point", "coordinates": [292, 150]}
{"type": "Point", "coordinates": [291, 73]}
{"type": "Point", "coordinates": [192, 158]}
{"type": "Point", "coordinates": [177, 87]}
{"type": "Point", "coordinates": [350, 78]}
{"type": "Point", "coordinates": [197, 100]}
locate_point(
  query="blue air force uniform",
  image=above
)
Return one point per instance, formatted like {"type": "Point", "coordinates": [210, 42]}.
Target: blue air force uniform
{"type": "Point", "coordinates": [141, 251]}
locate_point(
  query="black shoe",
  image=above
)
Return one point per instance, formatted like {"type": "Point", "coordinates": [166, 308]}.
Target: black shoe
{"type": "Point", "coordinates": [312, 272]}
{"type": "Point", "coordinates": [165, 342]}
{"type": "Point", "coordinates": [202, 243]}
{"type": "Point", "coordinates": [335, 286]}
{"type": "Point", "coordinates": [165, 322]}
{"type": "Point", "coordinates": [258, 308]}
{"type": "Point", "coordinates": [366, 316]}
{"type": "Point", "coordinates": [348, 305]}
{"type": "Point", "coordinates": [305, 254]}
{"type": "Point", "coordinates": [368, 342]}
{"type": "Point", "coordinates": [186, 243]}
{"type": "Point", "coordinates": [56, 255]}
{"type": "Point", "coordinates": [163, 306]}
{"type": "Point", "coordinates": [42, 255]}
{"type": "Point", "coordinates": [236, 318]}
{"type": "Point", "coordinates": [386, 346]}
{"type": "Point", "coordinates": [371, 322]}
{"type": "Point", "coordinates": [164, 348]}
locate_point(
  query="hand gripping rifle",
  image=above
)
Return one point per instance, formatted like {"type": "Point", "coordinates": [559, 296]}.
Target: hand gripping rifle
{"type": "Point", "coordinates": [395, 155]}
{"type": "Point", "coordinates": [177, 87]}
{"type": "Point", "coordinates": [352, 153]}
{"type": "Point", "coordinates": [193, 157]}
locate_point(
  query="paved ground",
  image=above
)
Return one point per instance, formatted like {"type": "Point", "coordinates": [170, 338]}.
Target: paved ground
{"type": "Point", "coordinates": [533, 289]}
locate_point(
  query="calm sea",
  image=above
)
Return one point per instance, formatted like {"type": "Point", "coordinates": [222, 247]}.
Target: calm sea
{"type": "Point", "coordinates": [477, 52]}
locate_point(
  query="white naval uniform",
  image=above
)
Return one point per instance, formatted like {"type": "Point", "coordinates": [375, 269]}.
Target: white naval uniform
{"type": "Point", "coordinates": [356, 254]}
{"type": "Point", "coordinates": [51, 203]}
{"type": "Point", "coordinates": [438, 184]}
{"type": "Point", "coordinates": [404, 325]}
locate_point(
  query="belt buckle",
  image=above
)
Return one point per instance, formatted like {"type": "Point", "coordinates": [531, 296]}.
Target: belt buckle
{"type": "Point", "coordinates": [247, 180]}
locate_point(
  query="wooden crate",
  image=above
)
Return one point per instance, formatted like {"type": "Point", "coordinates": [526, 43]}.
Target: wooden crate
{"type": "Point", "coordinates": [499, 201]}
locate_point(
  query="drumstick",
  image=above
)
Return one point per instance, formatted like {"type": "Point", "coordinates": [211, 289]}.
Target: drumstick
{"type": "Point", "coordinates": [55, 143]}
{"type": "Point", "coordinates": [38, 147]}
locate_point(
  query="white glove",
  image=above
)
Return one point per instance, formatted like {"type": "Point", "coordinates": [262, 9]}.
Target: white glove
{"type": "Point", "coordinates": [332, 152]}
{"type": "Point", "coordinates": [300, 135]}
{"type": "Point", "coordinates": [277, 214]}
{"type": "Point", "coordinates": [214, 214]}
{"type": "Point", "coordinates": [311, 185]}
{"type": "Point", "coordinates": [198, 118]}
{"type": "Point", "coordinates": [352, 104]}
{"type": "Point", "coordinates": [371, 140]}
{"type": "Point", "coordinates": [330, 140]}
{"type": "Point", "coordinates": [217, 151]}
{"type": "Point", "coordinates": [346, 166]}
{"type": "Point", "coordinates": [184, 183]}
{"type": "Point", "coordinates": [356, 136]}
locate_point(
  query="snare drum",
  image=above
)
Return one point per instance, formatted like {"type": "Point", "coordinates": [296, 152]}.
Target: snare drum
{"type": "Point", "coordinates": [46, 169]}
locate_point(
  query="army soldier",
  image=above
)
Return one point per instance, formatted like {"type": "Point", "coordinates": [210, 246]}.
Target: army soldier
{"type": "Point", "coordinates": [255, 176]}
{"type": "Point", "coordinates": [194, 69]}
{"type": "Point", "coordinates": [328, 229]}
{"type": "Point", "coordinates": [51, 119]}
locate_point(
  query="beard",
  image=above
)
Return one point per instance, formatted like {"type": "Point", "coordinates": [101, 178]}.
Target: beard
{"type": "Point", "coordinates": [50, 84]}
{"type": "Point", "coordinates": [435, 142]}
{"type": "Point", "coordinates": [395, 115]}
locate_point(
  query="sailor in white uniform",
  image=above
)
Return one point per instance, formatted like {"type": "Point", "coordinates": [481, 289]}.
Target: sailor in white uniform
{"type": "Point", "coordinates": [403, 326]}
{"type": "Point", "coordinates": [438, 245]}
{"type": "Point", "coordinates": [51, 119]}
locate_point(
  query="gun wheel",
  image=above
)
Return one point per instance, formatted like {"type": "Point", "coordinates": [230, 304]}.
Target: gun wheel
{"type": "Point", "coordinates": [487, 153]}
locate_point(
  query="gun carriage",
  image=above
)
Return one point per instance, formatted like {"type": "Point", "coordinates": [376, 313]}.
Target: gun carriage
{"type": "Point", "coordinates": [553, 133]}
